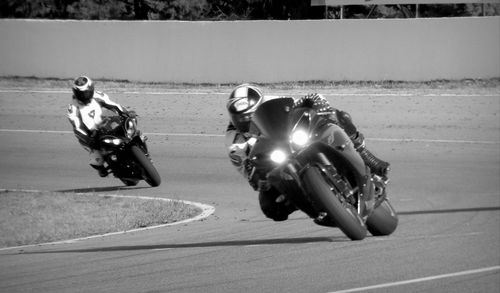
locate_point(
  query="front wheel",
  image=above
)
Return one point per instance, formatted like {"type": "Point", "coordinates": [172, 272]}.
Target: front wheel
{"type": "Point", "coordinates": [150, 173]}
{"type": "Point", "coordinates": [344, 215]}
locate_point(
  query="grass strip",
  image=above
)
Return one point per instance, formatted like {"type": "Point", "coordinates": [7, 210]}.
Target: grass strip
{"type": "Point", "coordinates": [39, 217]}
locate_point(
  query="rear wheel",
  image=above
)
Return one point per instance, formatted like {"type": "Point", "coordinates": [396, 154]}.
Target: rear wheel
{"type": "Point", "coordinates": [343, 214]}
{"type": "Point", "coordinates": [383, 221]}
{"type": "Point", "coordinates": [150, 173]}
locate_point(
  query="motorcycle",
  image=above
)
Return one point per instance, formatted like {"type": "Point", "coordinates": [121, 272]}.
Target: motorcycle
{"type": "Point", "coordinates": [125, 151]}
{"type": "Point", "coordinates": [314, 164]}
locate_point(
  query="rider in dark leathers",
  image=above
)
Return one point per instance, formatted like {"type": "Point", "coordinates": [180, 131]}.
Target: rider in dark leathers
{"type": "Point", "coordinates": [242, 103]}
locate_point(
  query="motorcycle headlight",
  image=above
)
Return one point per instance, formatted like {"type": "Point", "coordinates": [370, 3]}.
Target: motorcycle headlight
{"type": "Point", "coordinates": [278, 156]}
{"type": "Point", "coordinates": [130, 128]}
{"type": "Point", "coordinates": [300, 138]}
{"type": "Point", "coordinates": [115, 141]}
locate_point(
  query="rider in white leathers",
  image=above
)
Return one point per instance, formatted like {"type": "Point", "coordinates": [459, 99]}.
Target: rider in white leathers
{"type": "Point", "coordinates": [84, 114]}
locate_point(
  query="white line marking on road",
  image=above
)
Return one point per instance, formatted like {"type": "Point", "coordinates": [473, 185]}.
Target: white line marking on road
{"type": "Point", "coordinates": [419, 280]}
{"type": "Point", "coordinates": [146, 133]}
{"type": "Point", "coordinates": [36, 131]}
{"type": "Point", "coordinates": [222, 135]}
{"type": "Point", "coordinates": [435, 140]}
{"type": "Point", "coordinates": [184, 93]}
{"type": "Point", "coordinates": [20, 90]}
{"type": "Point", "coordinates": [206, 211]}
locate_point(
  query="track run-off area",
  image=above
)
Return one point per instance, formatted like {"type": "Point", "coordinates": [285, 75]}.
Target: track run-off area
{"type": "Point", "coordinates": [444, 147]}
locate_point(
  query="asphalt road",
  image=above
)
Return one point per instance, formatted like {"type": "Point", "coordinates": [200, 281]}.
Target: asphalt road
{"type": "Point", "coordinates": [444, 150]}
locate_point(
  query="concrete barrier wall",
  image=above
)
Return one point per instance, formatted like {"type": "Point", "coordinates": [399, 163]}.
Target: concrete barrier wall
{"type": "Point", "coordinates": [256, 51]}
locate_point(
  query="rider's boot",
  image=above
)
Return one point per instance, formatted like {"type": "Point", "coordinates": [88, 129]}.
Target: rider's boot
{"type": "Point", "coordinates": [103, 172]}
{"type": "Point", "coordinates": [375, 164]}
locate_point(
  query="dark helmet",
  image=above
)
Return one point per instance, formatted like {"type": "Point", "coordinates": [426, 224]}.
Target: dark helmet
{"type": "Point", "coordinates": [243, 101]}
{"type": "Point", "coordinates": [83, 89]}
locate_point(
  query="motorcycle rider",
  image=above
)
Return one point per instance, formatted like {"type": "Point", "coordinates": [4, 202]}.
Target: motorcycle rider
{"type": "Point", "coordinates": [84, 114]}
{"type": "Point", "coordinates": [242, 103]}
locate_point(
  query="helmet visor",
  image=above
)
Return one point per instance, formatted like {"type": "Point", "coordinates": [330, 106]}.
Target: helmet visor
{"type": "Point", "coordinates": [83, 96]}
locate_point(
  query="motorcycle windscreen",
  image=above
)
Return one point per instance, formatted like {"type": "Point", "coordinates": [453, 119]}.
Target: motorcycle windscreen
{"type": "Point", "coordinates": [111, 122]}
{"type": "Point", "coordinates": [271, 117]}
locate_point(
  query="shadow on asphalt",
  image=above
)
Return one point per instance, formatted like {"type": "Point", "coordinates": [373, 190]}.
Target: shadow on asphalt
{"type": "Point", "coordinates": [449, 211]}
{"type": "Point", "coordinates": [102, 189]}
{"type": "Point", "coordinates": [422, 212]}
{"type": "Point", "coordinates": [256, 242]}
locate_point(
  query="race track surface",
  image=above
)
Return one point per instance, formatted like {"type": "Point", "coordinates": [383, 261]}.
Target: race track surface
{"type": "Point", "coordinates": [445, 155]}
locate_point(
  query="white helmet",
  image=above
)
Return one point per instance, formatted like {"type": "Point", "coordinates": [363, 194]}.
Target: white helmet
{"type": "Point", "coordinates": [243, 101]}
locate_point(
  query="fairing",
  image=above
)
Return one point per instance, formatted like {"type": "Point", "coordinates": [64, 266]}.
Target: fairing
{"type": "Point", "coordinates": [276, 120]}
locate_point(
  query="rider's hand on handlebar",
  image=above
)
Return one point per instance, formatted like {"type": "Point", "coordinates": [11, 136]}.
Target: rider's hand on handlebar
{"type": "Point", "coordinates": [132, 114]}
{"type": "Point", "coordinates": [128, 114]}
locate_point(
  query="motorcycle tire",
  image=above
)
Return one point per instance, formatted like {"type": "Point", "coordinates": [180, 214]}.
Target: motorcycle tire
{"type": "Point", "coordinates": [383, 221]}
{"type": "Point", "coordinates": [345, 216]}
{"type": "Point", "coordinates": [151, 174]}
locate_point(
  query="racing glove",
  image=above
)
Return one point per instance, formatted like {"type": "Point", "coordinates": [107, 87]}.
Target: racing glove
{"type": "Point", "coordinates": [314, 101]}
{"type": "Point", "coordinates": [132, 114]}
{"type": "Point", "coordinates": [126, 113]}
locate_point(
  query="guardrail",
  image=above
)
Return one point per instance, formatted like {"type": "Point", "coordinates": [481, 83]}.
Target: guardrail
{"type": "Point", "coordinates": [342, 3]}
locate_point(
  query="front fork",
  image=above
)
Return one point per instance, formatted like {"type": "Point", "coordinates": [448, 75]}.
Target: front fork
{"type": "Point", "coordinates": [141, 142]}
{"type": "Point", "coordinates": [380, 192]}
{"type": "Point", "coordinates": [281, 177]}
{"type": "Point", "coordinates": [338, 185]}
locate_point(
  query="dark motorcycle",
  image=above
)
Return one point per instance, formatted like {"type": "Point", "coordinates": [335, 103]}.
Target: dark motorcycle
{"type": "Point", "coordinates": [124, 150]}
{"type": "Point", "coordinates": [313, 163]}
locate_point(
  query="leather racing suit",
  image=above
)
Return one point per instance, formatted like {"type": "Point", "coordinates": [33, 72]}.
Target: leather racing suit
{"type": "Point", "coordinates": [85, 120]}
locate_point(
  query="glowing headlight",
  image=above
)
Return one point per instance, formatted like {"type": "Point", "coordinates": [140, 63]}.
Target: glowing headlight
{"type": "Point", "coordinates": [278, 156]}
{"type": "Point", "coordinates": [130, 128]}
{"type": "Point", "coordinates": [114, 141]}
{"type": "Point", "coordinates": [300, 137]}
